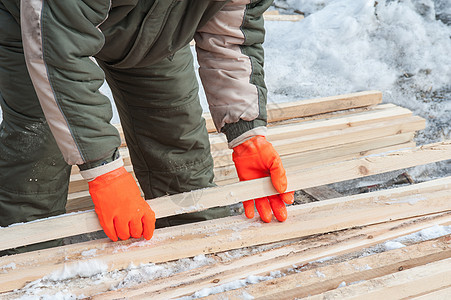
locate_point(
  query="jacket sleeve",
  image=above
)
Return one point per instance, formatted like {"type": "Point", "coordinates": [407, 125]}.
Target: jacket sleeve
{"type": "Point", "coordinates": [59, 40]}
{"type": "Point", "coordinates": [230, 55]}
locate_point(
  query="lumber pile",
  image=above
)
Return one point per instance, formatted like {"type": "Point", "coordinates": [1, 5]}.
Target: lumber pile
{"type": "Point", "coordinates": [306, 133]}
{"type": "Point", "coordinates": [332, 249]}
{"type": "Point", "coordinates": [296, 260]}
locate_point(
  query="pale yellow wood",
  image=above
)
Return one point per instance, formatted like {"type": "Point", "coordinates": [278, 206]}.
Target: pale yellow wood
{"type": "Point", "coordinates": [292, 18]}
{"type": "Point", "coordinates": [379, 113]}
{"type": "Point", "coordinates": [310, 159]}
{"type": "Point", "coordinates": [304, 108]}
{"type": "Point", "coordinates": [278, 259]}
{"type": "Point", "coordinates": [441, 294]}
{"type": "Point", "coordinates": [402, 285]}
{"type": "Point", "coordinates": [18, 235]}
{"type": "Point", "coordinates": [311, 135]}
{"type": "Point", "coordinates": [323, 279]}
{"type": "Point", "coordinates": [226, 175]}
{"type": "Point", "coordinates": [314, 130]}
{"type": "Point", "coordinates": [221, 234]}
{"type": "Point", "coordinates": [271, 12]}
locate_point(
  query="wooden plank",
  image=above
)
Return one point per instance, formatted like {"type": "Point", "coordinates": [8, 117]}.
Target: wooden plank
{"type": "Point", "coordinates": [283, 258]}
{"type": "Point", "coordinates": [294, 139]}
{"type": "Point", "coordinates": [82, 200]}
{"type": "Point", "coordinates": [441, 294]}
{"type": "Point", "coordinates": [304, 143]}
{"type": "Point", "coordinates": [292, 18]}
{"type": "Point", "coordinates": [343, 136]}
{"type": "Point", "coordinates": [67, 225]}
{"type": "Point", "coordinates": [298, 161]}
{"type": "Point", "coordinates": [401, 285]}
{"type": "Point", "coordinates": [221, 234]}
{"type": "Point", "coordinates": [380, 113]}
{"type": "Point", "coordinates": [323, 279]}
{"type": "Point", "coordinates": [317, 128]}
{"type": "Point", "coordinates": [304, 108]}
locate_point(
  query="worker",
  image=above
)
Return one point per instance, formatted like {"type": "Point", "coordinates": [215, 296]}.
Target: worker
{"type": "Point", "coordinates": [54, 115]}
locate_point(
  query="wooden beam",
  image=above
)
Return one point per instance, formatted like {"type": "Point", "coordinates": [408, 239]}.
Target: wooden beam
{"type": "Point", "coordinates": [67, 225]}
{"type": "Point", "coordinates": [441, 294]}
{"type": "Point", "coordinates": [221, 234]}
{"type": "Point", "coordinates": [323, 279]}
{"type": "Point", "coordinates": [292, 18]}
{"type": "Point", "coordinates": [281, 258]}
{"type": "Point", "coordinates": [299, 161]}
{"type": "Point", "coordinates": [309, 136]}
{"type": "Point", "coordinates": [379, 113]}
{"type": "Point", "coordinates": [304, 108]}
{"type": "Point", "coordinates": [227, 175]}
{"type": "Point", "coordinates": [308, 142]}
{"type": "Point", "coordinates": [310, 107]}
{"type": "Point", "coordinates": [330, 138]}
{"type": "Point", "coordinates": [401, 285]}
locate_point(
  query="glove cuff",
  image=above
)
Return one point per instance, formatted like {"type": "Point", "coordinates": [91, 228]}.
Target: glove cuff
{"type": "Point", "coordinates": [247, 136]}
{"type": "Point", "coordinates": [93, 173]}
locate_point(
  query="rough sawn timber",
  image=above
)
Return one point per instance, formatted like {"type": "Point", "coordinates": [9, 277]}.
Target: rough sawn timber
{"type": "Point", "coordinates": [197, 200]}
{"type": "Point", "coordinates": [220, 234]}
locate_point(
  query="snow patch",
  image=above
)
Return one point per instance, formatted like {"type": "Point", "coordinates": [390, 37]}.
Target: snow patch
{"type": "Point", "coordinates": [393, 245]}
{"type": "Point", "coordinates": [83, 268]}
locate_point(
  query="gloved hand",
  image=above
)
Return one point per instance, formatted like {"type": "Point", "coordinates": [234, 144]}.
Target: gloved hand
{"type": "Point", "coordinates": [121, 209]}
{"type": "Point", "coordinates": [256, 158]}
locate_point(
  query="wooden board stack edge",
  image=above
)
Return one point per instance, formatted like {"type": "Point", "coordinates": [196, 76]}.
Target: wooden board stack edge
{"type": "Point", "coordinates": [301, 141]}
{"type": "Point", "coordinates": [304, 108]}
{"type": "Point", "coordinates": [221, 235]}
{"type": "Point", "coordinates": [84, 222]}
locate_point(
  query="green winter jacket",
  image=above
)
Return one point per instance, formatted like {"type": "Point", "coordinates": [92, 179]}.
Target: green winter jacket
{"type": "Point", "coordinates": [61, 37]}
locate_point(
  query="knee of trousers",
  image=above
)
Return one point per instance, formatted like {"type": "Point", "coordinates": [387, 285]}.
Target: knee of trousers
{"type": "Point", "coordinates": [33, 174]}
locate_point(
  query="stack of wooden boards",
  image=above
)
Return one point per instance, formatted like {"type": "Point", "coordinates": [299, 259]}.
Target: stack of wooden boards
{"type": "Point", "coordinates": [306, 133]}
{"type": "Point", "coordinates": [319, 248]}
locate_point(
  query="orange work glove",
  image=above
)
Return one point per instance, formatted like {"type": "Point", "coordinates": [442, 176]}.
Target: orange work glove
{"type": "Point", "coordinates": [256, 158]}
{"type": "Point", "coordinates": [121, 209]}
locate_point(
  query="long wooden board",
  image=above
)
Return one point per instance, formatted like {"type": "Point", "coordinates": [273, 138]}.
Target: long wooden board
{"type": "Point", "coordinates": [378, 113]}
{"type": "Point", "coordinates": [306, 249]}
{"type": "Point", "coordinates": [309, 142]}
{"type": "Point", "coordinates": [401, 285]}
{"type": "Point", "coordinates": [221, 234]}
{"type": "Point", "coordinates": [309, 107]}
{"type": "Point", "coordinates": [319, 280]}
{"type": "Point", "coordinates": [67, 225]}
{"type": "Point", "coordinates": [227, 175]}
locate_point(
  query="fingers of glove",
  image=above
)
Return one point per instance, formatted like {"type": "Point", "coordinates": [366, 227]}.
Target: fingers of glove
{"type": "Point", "coordinates": [108, 228]}
{"type": "Point", "coordinates": [148, 223]}
{"type": "Point", "coordinates": [264, 209]}
{"type": "Point", "coordinates": [288, 198]}
{"type": "Point", "coordinates": [122, 229]}
{"type": "Point", "coordinates": [136, 227]}
{"type": "Point", "coordinates": [278, 207]}
{"type": "Point", "coordinates": [278, 175]}
{"type": "Point", "coordinates": [249, 209]}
